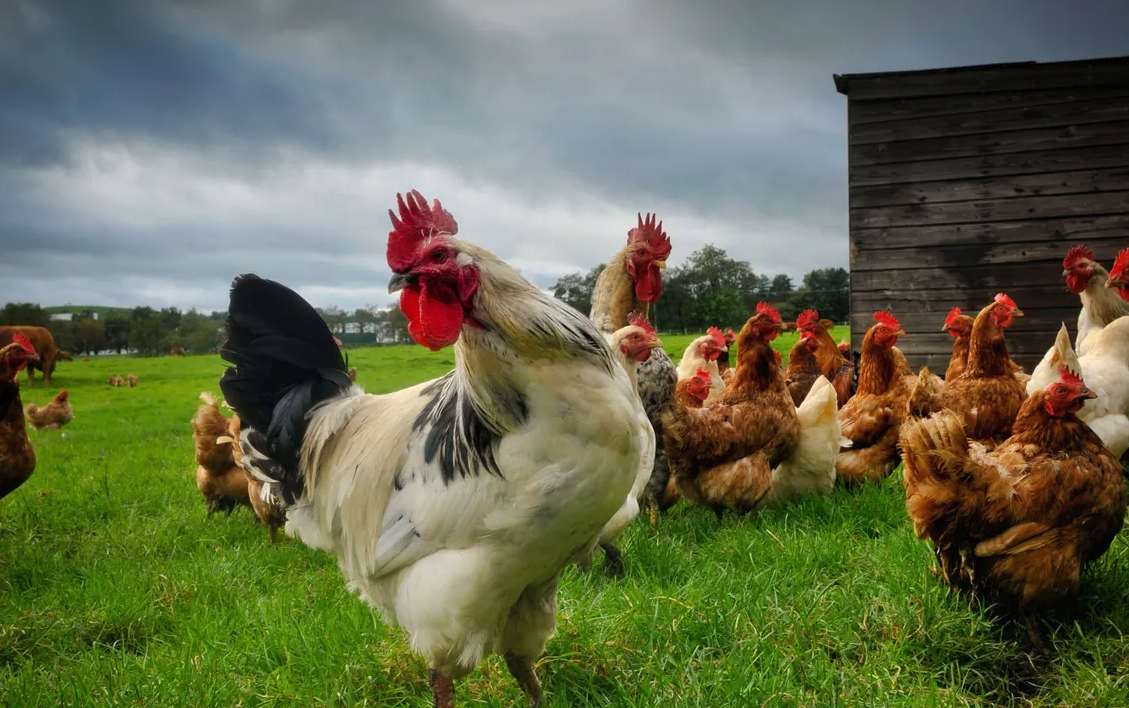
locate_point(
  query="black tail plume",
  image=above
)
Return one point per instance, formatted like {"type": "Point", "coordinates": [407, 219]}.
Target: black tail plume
{"type": "Point", "coordinates": [285, 363]}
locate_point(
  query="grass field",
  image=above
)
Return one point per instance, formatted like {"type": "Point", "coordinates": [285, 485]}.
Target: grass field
{"type": "Point", "coordinates": [115, 590]}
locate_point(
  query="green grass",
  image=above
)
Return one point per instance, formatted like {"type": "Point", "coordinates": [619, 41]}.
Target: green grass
{"type": "Point", "coordinates": [116, 590]}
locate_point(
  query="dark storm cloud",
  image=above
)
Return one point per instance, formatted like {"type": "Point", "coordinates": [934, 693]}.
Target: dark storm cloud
{"type": "Point", "coordinates": [723, 111]}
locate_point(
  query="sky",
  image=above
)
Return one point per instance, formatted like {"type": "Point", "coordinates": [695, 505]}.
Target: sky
{"type": "Point", "coordinates": [152, 150]}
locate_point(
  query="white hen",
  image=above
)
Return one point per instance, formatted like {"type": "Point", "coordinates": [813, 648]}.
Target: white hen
{"type": "Point", "coordinates": [811, 468]}
{"type": "Point", "coordinates": [1105, 368]}
{"type": "Point", "coordinates": [702, 353]}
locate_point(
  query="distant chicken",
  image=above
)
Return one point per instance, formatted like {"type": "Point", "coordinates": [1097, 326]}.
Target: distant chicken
{"type": "Point", "coordinates": [987, 396]}
{"type": "Point", "coordinates": [52, 416]}
{"type": "Point", "coordinates": [353, 374]}
{"type": "Point", "coordinates": [722, 455]}
{"type": "Point", "coordinates": [132, 380]}
{"type": "Point", "coordinates": [1100, 306]}
{"type": "Point", "coordinates": [838, 370]}
{"type": "Point", "coordinates": [1016, 526]}
{"type": "Point", "coordinates": [845, 349]}
{"type": "Point", "coordinates": [702, 353]}
{"type": "Point", "coordinates": [803, 369]}
{"type": "Point", "coordinates": [960, 327]}
{"type": "Point", "coordinates": [17, 456]}
{"type": "Point", "coordinates": [631, 345]}
{"type": "Point", "coordinates": [116, 380]}
{"type": "Point", "coordinates": [220, 481]}
{"type": "Point", "coordinates": [692, 392]}
{"type": "Point", "coordinates": [871, 419]}
{"type": "Point", "coordinates": [632, 282]}
{"type": "Point", "coordinates": [810, 469]}
{"type": "Point", "coordinates": [271, 514]}
{"type": "Point", "coordinates": [723, 368]}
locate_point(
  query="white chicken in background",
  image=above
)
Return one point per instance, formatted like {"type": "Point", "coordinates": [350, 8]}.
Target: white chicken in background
{"type": "Point", "coordinates": [452, 506]}
{"type": "Point", "coordinates": [1105, 369]}
{"type": "Point", "coordinates": [631, 345]}
{"type": "Point", "coordinates": [1088, 280]}
{"type": "Point", "coordinates": [702, 353]}
{"type": "Point", "coordinates": [811, 467]}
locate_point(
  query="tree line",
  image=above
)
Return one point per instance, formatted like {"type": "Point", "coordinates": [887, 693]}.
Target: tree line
{"type": "Point", "coordinates": [711, 288]}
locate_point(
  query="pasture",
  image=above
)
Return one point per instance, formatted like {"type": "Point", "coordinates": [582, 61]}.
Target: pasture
{"type": "Point", "coordinates": [116, 590]}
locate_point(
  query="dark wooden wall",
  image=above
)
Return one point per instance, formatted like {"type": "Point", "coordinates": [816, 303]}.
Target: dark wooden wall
{"type": "Point", "coordinates": [965, 183]}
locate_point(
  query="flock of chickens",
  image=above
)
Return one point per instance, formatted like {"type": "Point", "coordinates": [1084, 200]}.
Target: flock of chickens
{"type": "Point", "coordinates": [454, 505]}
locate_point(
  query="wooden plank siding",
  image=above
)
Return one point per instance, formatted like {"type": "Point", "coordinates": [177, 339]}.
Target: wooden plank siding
{"type": "Point", "coordinates": [970, 181]}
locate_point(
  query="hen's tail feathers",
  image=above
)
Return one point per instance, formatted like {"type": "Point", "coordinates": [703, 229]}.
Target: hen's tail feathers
{"type": "Point", "coordinates": [933, 448]}
{"type": "Point", "coordinates": [285, 364]}
{"type": "Point", "coordinates": [926, 395]}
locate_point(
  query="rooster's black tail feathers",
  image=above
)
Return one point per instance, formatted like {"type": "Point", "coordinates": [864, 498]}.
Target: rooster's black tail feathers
{"type": "Point", "coordinates": [285, 363]}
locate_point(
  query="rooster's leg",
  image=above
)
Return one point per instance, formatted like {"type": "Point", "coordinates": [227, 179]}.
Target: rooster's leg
{"type": "Point", "coordinates": [442, 689]}
{"type": "Point", "coordinates": [654, 511]}
{"type": "Point", "coordinates": [613, 560]}
{"type": "Point", "coordinates": [521, 668]}
{"type": "Point", "coordinates": [273, 534]}
{"type": "Point", "coordinates": [1036, 636]}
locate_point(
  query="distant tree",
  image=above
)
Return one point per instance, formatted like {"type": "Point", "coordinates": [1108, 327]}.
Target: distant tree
{"type": "Point", "coordinates": [576, 289]}
{"type": "Point", "coordinates": [827, 290]}
{"type": "Point", "coordinates": [90, 335]}
{"type": "Point", "coordinates": [364, 319]}
{"type": "Point", "coordinates": [198, 333]}
{"type": "Point", "coordinates": [27, 314]}
{"type": "Point", "coordinates": [170, 319]}
{"type": "Point", "coordinates": [780, 288]}
{"type": "Point", "coordinates": [396, 325]}
{"type": "Point", "coordinates": [146, 332]}
{"type": "Point", "coordinates": [117, 328]}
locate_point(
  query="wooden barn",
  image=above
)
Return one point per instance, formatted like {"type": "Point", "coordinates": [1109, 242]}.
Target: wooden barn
{"type": "Point", "coordinates": [968, 181]}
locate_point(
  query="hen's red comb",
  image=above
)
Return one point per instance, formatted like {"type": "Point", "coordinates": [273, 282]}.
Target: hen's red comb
{"type": "Point", "coordinates": [730, 336]}
{"type": "Point", "coordinates": [765, 309]}
{"type": "Point", "coordinates": [62, 396]}
{"type": "Point", "coordinates": [1120, 262]}
{"type": "Point", "coordinates": [954, 314]}
{"type": "Point", "coordinates": [1076, 255]}
{"type": "Point", "coordinates": [650, 231]}
{"type": "Point", "coordinates": [718, 337]}
{"type": "Point", "coordinates": [887, 318]}
{"type": "Point", "coordinates": [416, 222]}
{"type": "Point", "coordinates": [1003, 299]}
{"type": "Point", "coordinates": [702, 374]}
{"type": "Point", "coordinates": [808, 319]}
{"type": "Point", "coordinates": [637, 320]}
{"type": "Point", "coordinates": [21, 339]}
{"type": "Point", "coordinates": [1069, 377]}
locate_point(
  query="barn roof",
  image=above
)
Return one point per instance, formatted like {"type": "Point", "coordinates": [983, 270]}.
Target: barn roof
{"type": "Point", "coordinates": [936, 77]}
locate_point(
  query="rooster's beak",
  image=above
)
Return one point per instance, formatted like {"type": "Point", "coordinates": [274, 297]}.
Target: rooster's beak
{"type": "Point", "coordinates": [1115, 283]}
{"type": "Point", "coordinates": [657, 344]}
{"type": "Point", "coordinates": [400, 281]}
{"type": "Point", "coordinates": [660, 264]}
{"type": "Point", "coordinates": [1065, 273]}
{"type": "Point", "coordinates": [900, 333]}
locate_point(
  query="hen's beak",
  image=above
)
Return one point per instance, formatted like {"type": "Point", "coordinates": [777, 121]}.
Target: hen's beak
{"type": "Point", "coordinates": [657, 344]}
{"type": "Point", "coordinates": [1087, 393]}
{"type": "Point", "coordinates": [400, 281]}
{"type": "Point", "coordinates": [1115, 283]}
{"type": "Point", "coordinates": [1017, 312]}
{"type": "Point", "coordinates": [900, 333]}
{"type": "Point", "coordinates": [660, 264]}
{"type": "Point", "coordinates": [945, 328]}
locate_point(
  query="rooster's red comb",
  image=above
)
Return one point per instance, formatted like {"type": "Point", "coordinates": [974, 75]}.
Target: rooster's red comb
{"type": "Point", "coordinates": [1120, 262]}
{"type": "Point", "coordinates": [650, 231]}
{"type": "Point", "coordinates": [808, 319]}
{"type": "Point", "coordinates": [954, 315]}
{"type": "Point", "coordinates": [417, 221]}
{"type": "Point", "coordinates": [21, 339]}
{"type": "Point", "coordinates": [887, 318]}
{"type": "Point", "coordinates": [637, 320]}
{"type": "Point", "coordinates": [718, 337]}
{"type": "Point", "coordinates": [764, 308]}
{"type": "Point", "coordinates": [1003, 299]}
{"type": "Point", "coordinates": [1069, 377]}
{"type": "Point", "coordinates": [1076, 255]}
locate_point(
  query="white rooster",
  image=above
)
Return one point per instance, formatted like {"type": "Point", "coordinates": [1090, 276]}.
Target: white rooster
{"type": "Point", "coordinates": [452, 506]}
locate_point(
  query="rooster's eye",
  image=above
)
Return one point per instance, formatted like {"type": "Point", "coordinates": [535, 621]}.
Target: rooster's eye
{"type": "Point", "coordinates": [438, 255]}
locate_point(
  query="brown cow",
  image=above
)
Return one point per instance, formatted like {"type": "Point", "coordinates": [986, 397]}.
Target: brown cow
{"type": "Point", "coordinates": [177, 351]}
{"type": "Point", "coordinates": [44, 345]}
